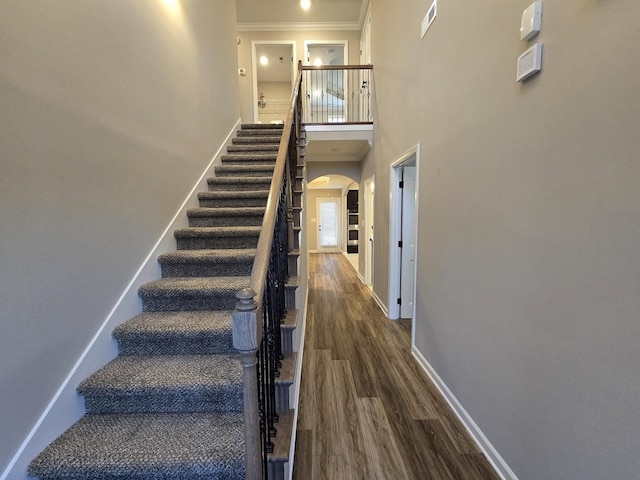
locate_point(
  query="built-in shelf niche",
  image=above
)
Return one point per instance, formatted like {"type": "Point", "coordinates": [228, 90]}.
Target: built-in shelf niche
{"type": "Point", "coordinates": [353, 221]}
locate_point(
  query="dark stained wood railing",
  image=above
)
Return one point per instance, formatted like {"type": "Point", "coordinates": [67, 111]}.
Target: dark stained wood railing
{"type": "Point", "coordinates": [337, 94]}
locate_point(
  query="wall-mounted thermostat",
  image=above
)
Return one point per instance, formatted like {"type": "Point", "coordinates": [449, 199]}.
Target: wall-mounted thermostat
{"type": "Point", "coordinates": [529, 63]}
{"type": "Point", "coordinates": [531, 21]}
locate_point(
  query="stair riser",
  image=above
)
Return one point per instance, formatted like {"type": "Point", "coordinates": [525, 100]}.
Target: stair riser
{"type": "Point", "coordinates": [265, 149]}
{"type": "Point", "coordinates": [230, 221]}
{"type": "Point", "coordinates": [200, 243]}
{"type": "Point", "coordinates": [220, 184]}
{"type": "Point", "coordinates": [230, 172]}
{"type": "Point", "coordinates": [224, 400]}
{"type": "Point", "coordinates": [208, 269]}
{"type": "Point", "coordinates": [175, 345]}
{"type": "Point", "coordinates": [250, 157]}
{"type": "Point", "coordinates": [282, 397]}
{"type": "Point", "coordinates": [172, 302]}
{"type": "Point", "coordinates": [256, 133]}
{"type": "Point", "coordinates": [278, 127]}
{"type": "Point", "coordinates": [256, 141]}
{"type": "Point", "coordinates": [231, 202]}
{"type": "Point", "coordinates": [286, 340]}
{"type": "Point", "coordinates": [290, 297]}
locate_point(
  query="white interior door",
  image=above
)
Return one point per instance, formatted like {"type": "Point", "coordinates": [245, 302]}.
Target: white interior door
{"type": "Point", "coordinates": [407, 268]}
{"type": "Point", "coordinates": [329, 232]}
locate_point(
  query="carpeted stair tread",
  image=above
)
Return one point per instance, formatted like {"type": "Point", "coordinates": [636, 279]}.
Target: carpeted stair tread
{"type": "Point", "coordinates": [165, 383]}
{"type": "Point", "coordinates": [199, 238]}
{"type": "Point", "coordinates": [253, 148]}
{"type": "Point", "coordinates": [207, 263]}
{"type": "Point", "coordinates": [234, 198]}
{"type": "Point", "coordinates": [263, 126]}
{"type": "Point", "coordinates": [274, 140]}
{"type": "Point", "coordinates": [178, 446]}
{"type": "Point", "coordinates": [250, 157]}
{"type": "Point", "coordinates": [191, 293]}
{"type": "Point", "coordinates": [176, 333]}
{"type": "Point", "coordinates": [254, 170]}
{"type": "Point", "coordinates": [225, 216]}
{"type": "Point", "coordinates": [255, 132]}
{"type": "Point", "coordinates": [236, 181]}
{"type": "Point", "coordinates": [216, 231]}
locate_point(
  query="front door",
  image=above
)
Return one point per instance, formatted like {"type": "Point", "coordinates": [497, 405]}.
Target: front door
{"type": "Point", "coordinates": [329, 233]}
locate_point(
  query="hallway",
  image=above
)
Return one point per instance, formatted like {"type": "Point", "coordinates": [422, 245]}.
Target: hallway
{"type": "Point", "coordinates": [367, 410]}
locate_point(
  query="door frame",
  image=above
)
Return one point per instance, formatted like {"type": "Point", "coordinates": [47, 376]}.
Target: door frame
{"type": "Point", "coordinates": [307, 43]}
{"type": "Point", "coordinates": [254, 67]}
{"type": "Point", "coordinates": [339, 227]}
{"type": "Point", "coordinates": [395, 231]}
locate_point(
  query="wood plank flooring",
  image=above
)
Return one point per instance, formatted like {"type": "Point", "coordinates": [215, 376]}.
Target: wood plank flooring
{"type": "Point", "coordinates": [367, 410]}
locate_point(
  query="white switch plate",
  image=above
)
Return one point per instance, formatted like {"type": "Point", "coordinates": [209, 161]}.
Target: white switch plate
{"type": "Point", "coordinates": [428, 18]}
{"type": "Point", "coordinates": [529, 63]}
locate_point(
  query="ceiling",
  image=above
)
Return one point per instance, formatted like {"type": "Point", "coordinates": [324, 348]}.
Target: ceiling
{"type": "Point", "coordinates": [273, 14]}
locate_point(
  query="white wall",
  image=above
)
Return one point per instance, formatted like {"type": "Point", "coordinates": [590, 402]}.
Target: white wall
{"type": "Point", "coordinates": [109, 112]}
{"type": "Point", "coordinates": [529, 220]}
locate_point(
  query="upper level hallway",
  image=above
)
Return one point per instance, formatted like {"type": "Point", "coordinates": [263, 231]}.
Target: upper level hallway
{"type": "Point", "coordinates": [367, 410]}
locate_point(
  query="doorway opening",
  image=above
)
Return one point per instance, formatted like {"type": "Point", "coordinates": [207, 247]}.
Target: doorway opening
{"type": "Point", "coordinates": [274, 72]}
{"type": "Point", "coordinates": [403, 227]}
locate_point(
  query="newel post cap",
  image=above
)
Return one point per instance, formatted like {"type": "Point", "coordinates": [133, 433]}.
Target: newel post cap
{"type": "Point", "coordinates": [246, 300]}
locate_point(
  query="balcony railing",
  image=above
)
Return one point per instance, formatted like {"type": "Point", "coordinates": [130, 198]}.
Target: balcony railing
{"type": "Point", "coordinates": [337, 94]}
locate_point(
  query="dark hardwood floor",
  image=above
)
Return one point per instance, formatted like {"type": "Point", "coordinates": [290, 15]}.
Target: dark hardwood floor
{"type": "Point", "coordinates": [367, 410]}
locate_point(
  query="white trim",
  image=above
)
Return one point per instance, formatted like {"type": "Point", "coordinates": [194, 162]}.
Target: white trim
{"type": "Point", "coordinates": [66, 407]}
{"type": "Point", "coordinates": [365, 11]}
{"type": "Point", "coordinates": [307, 43]}
{"type": "Point", "coordinates": [472, 428]}
{"type": "Point", "coordinates": [296, 26]}
{"type": "Point", "coordinates": [297, 383]}
{"type": "Point", "coordinates": [395, 234]}
{"type": "Point", "coordinates": [382, 306]}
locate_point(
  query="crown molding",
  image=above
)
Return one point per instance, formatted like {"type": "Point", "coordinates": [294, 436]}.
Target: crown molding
{"type": "Point", "coordinates": [292, 26]}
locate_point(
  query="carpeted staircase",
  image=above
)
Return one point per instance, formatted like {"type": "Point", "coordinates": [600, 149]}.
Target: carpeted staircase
{"type": "Point", "coordinates": [170, 405]}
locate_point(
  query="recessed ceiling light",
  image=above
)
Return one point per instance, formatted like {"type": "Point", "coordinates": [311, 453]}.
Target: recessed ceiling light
{"type": "Point", "coordinates": [305, 4]}
{"type": "Point", "coordinates": [318, 62]}
{"type": "Point", "coordinates": [264, 60]}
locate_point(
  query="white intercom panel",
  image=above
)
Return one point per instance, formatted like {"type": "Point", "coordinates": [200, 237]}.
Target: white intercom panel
{"type": "Point", "coordinates": [531, 21]}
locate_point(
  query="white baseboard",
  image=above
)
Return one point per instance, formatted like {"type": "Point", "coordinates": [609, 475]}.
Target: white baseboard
{"type": "Point", "coordinates": [380, 303]}
{"type": "Point", "coordinates": [481, 440]}
{"type": "Point", "coordinates": [297, 383]}
{"type": "Point", "coordinates": [66, 406]}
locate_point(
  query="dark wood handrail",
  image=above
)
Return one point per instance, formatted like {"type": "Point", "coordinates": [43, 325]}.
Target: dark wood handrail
{"type": "Point", "coordinates": [265, 240]}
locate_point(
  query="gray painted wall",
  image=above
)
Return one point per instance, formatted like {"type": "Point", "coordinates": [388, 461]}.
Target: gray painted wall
{"type": "Point", "coordinates": [109, 113]}
{"type": "Point", "coordinates": [529, 220]}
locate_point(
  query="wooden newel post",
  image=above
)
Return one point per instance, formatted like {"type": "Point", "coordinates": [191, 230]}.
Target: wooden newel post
{"type": "Point", "coordinates": [247, 331]}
